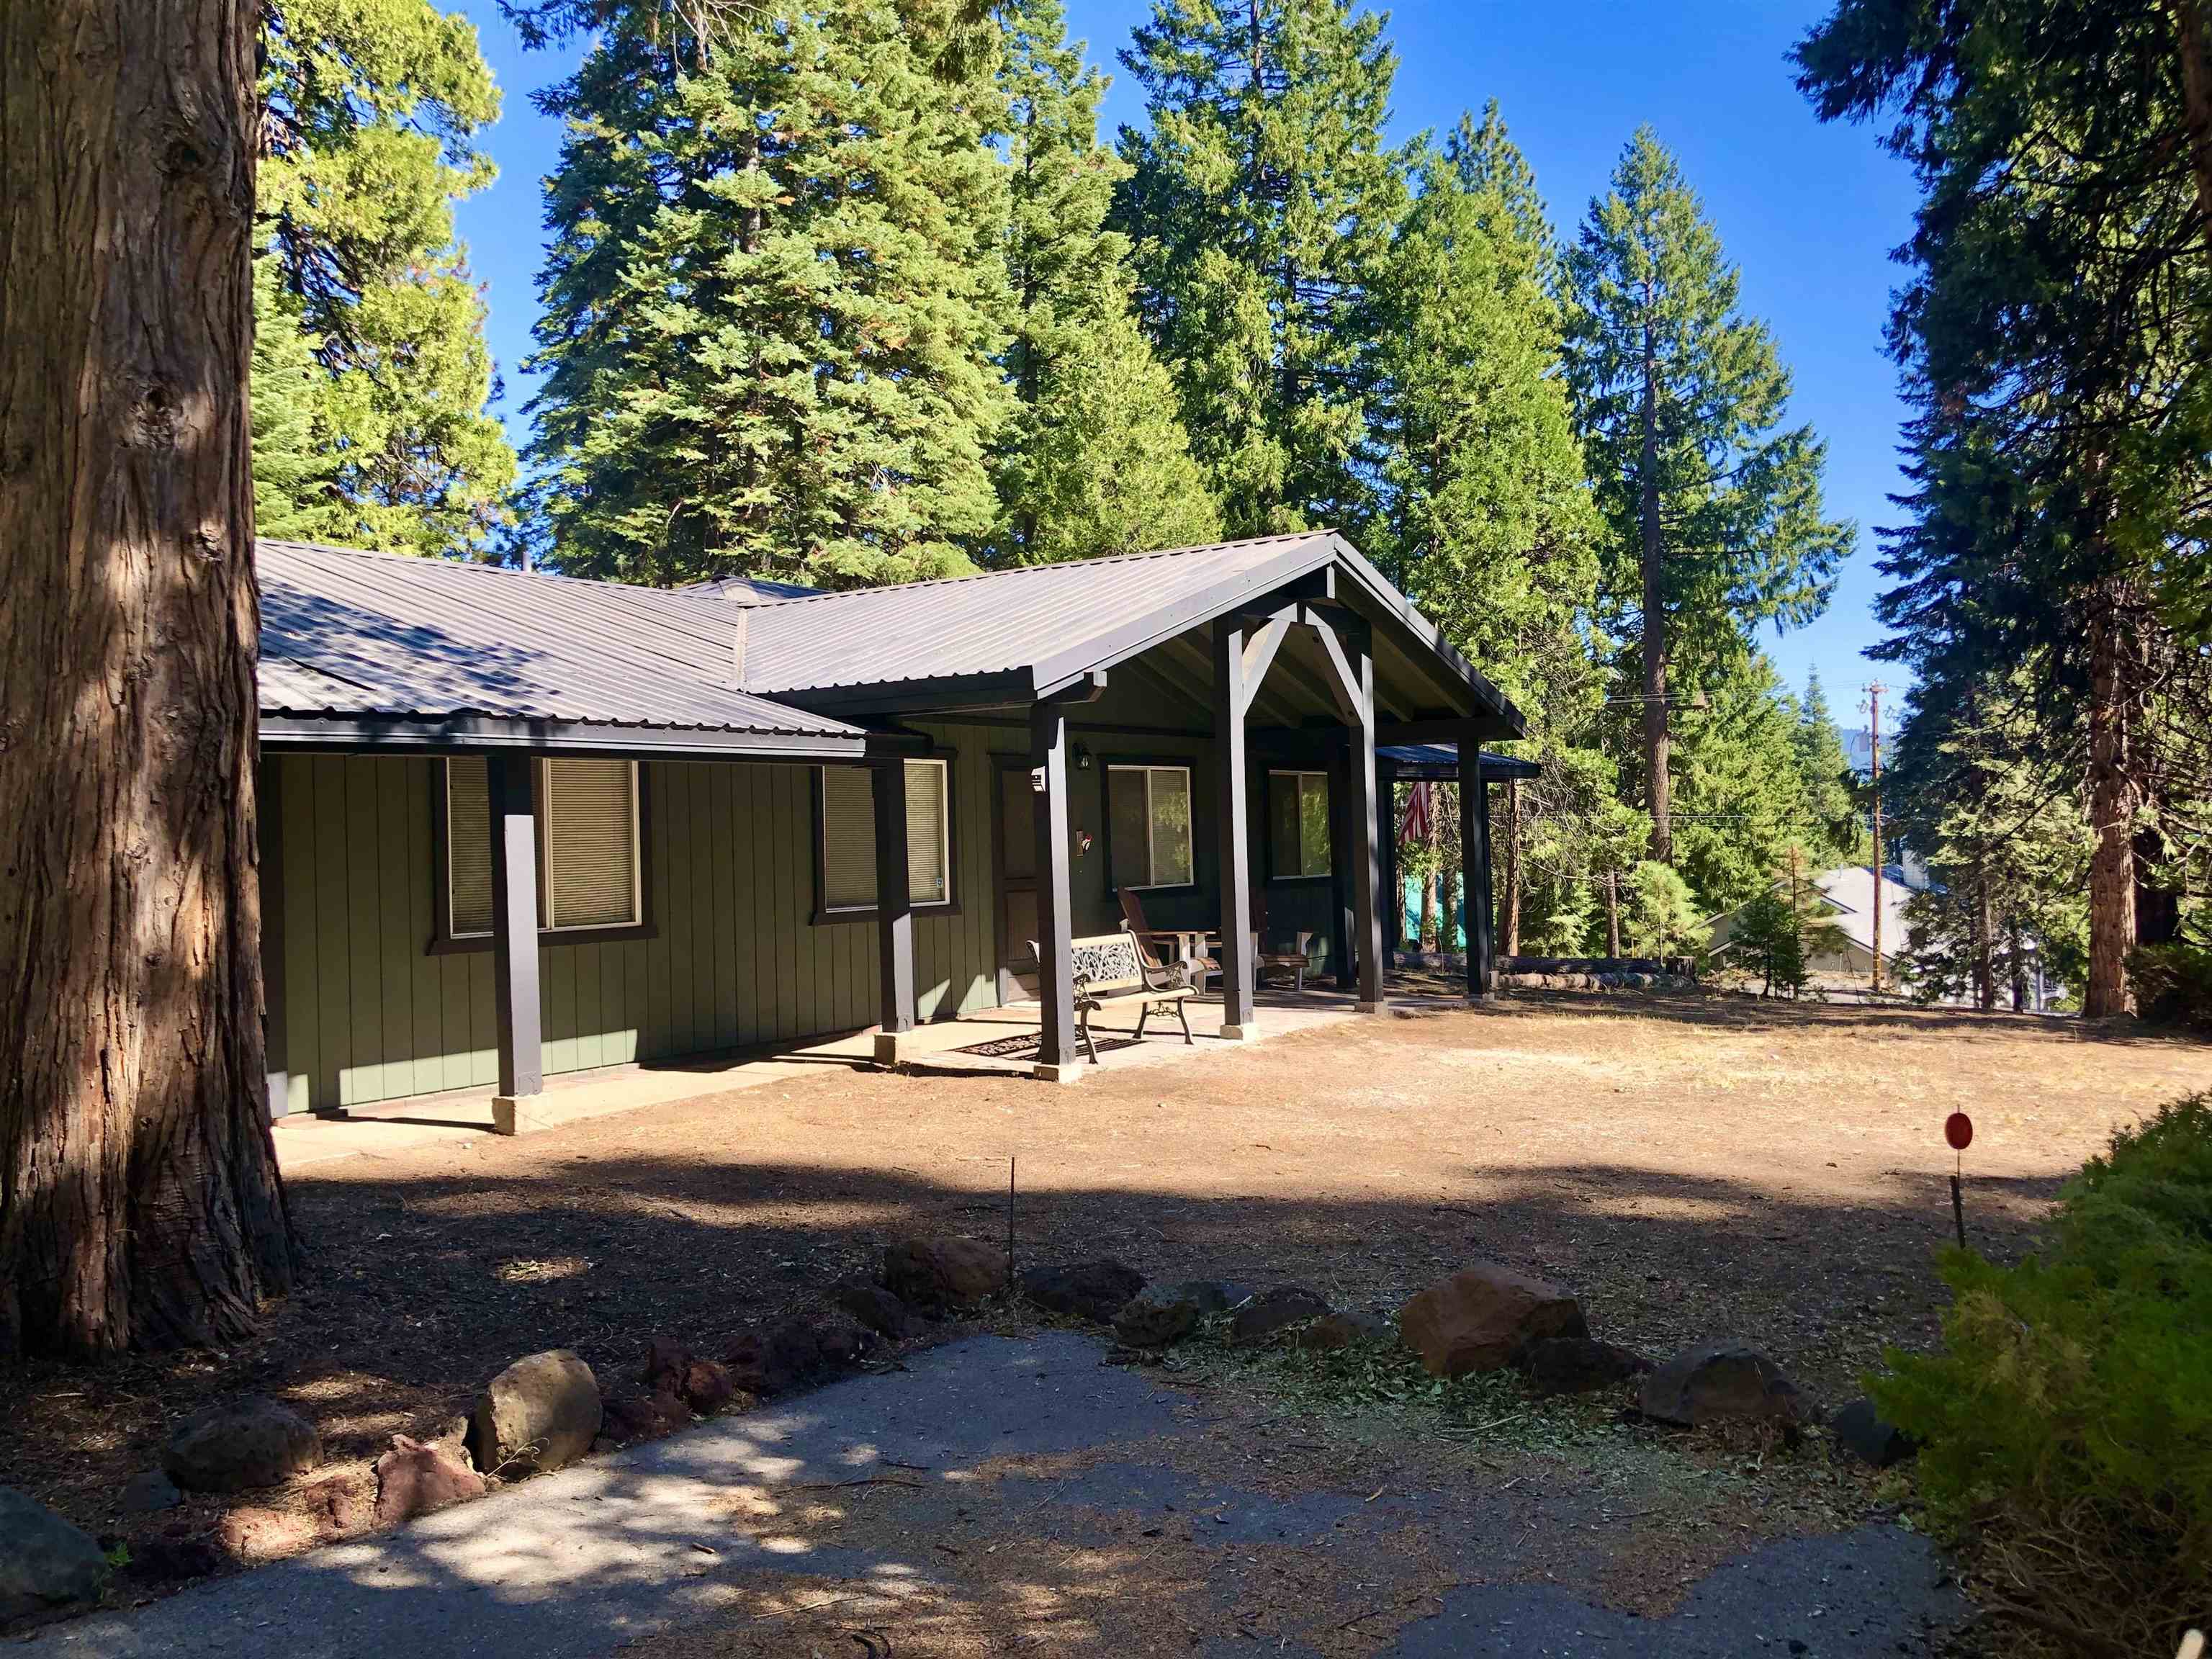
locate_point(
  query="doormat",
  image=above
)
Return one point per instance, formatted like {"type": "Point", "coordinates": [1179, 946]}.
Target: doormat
{"type": "Point", "coordinates": [1027, 1048]}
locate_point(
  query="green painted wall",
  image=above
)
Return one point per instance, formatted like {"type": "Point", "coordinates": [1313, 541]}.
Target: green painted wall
{"type": "Point", "coordinates": [371, 1015]}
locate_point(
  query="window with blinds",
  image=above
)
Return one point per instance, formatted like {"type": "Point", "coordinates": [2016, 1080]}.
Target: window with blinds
{"type": "Point", "coordinates": [1148, 823]}
{"type": "Point", "coordinates": [849, 836]}
{"type": "Point", "coordinates": [468, 849]}
{"type": "Point", "coordinates": [589, 865]}
{"type": "Point", "coordinates": [1298, 819]}
{"type": "Point", "coordinates": [587, 830]}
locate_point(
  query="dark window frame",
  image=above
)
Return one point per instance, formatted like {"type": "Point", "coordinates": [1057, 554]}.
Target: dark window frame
{"type": "Point", "coordinates": [444, 942]}
{"type": "Point", "coordinates": [823, 916]}
{"type": "Point", "coordinates": [1104, 765]}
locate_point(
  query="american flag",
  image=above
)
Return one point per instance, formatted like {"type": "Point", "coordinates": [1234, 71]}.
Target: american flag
{"type": "Point", "coordinates": [1414, 827]}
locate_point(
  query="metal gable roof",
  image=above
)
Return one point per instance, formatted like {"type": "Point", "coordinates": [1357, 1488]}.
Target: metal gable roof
{"type": "Point", "coordinates": [1050, 624]}
{"type": "Point", "coordinates": [389, 637]}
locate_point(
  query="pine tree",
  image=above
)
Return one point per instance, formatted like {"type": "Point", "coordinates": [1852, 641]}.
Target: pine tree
{"type": "Point", "coordinates": [1095, 460]}
{"type": "Point", "coordinates": [1261, 203]}
{"type": "Point", "coordinates": [370, 112]}
{"type": "Point", "coordinates": [1824, 772]}
{"type": "Point", "coordinates": [775, 302]}
{"type": "Point", "coordinates": [293, 494]}
{"type": "Point", "coordinates": [1713, 505]}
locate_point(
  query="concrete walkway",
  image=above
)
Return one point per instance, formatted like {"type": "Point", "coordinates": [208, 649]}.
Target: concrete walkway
{"type": "Point", "coordinates": [946, 1046]}
{"type": "Point", "coordinates": [887, 1494]}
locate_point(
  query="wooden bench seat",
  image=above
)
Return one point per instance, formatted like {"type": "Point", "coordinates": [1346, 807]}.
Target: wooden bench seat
{"type": "Point", "coordinates": [1112, 967]}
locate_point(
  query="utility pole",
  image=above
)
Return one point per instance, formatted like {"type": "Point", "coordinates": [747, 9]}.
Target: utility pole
{"type": "Point", "coordinates": [1873, 706]}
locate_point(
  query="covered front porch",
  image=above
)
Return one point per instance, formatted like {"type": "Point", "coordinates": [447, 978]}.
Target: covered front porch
{"type": "Point", "coordinates": [1001, 1041]}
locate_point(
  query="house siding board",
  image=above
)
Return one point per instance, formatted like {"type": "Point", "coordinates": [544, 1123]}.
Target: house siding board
{"type": "Point", "coordinates": [737, 958]}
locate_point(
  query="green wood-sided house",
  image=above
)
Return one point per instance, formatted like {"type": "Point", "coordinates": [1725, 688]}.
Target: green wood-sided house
{"type": "Point", "coordinates": [516, 824]}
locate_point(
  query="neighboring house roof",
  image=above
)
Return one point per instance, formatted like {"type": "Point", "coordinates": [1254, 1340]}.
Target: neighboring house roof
{"type": "Point", "coordinates": [389, 650]}
{"type": "Point", "coordinates": [1012, 636]}
{"type": "Point", "coordinates": [1849, 891]}
{"type": "Point", "coordinates": [1441, 761]}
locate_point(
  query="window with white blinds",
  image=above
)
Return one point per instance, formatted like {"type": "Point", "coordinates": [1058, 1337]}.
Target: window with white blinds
{"type": "Point", "coordinates": [587, 819]}
{"type": "Point", "coordinates": [849, 836]}
{"type": "Point", "coordinates": [589, 869]}
{"type": "Point", "coordinates": [468, 849]}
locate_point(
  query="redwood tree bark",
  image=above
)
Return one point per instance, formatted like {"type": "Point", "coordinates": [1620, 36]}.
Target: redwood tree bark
{"type": "Point", "coordinates": [139, 1200]}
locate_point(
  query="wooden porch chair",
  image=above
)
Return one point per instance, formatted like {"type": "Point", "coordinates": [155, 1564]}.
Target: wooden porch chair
{"type": "Point", "coordinates": [1297, 959]}
{"type": "Point", "coordinates": [1160, 948]}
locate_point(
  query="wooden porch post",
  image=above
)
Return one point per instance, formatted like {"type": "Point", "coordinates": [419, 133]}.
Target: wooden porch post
{"type": "Point", "coordinates": [1393, 887]}
{"type": "Point", "coordinates": [1343, 854]}
{"type": "Point", "coordinates": [1366, 871]}
{"type": "Point", "coordinates": [512, 780]}
{"type": "Point", "coordinates": [894, 910]}
{"type": "Point", "coordinates": [1055, 896]}
{"type": "Point", "coordinates": [1234, 826]}
{"type": "Point", "coordinates": [1475, 868]}
{"type": "Point", "coordinates": [269, 821]}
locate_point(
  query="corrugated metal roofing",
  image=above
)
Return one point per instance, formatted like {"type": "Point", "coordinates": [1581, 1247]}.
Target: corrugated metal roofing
{"type": "Point", "coordinates": [1003, 620]}
{"type": "Point", "coordinates": [1052, 623]}
{"type": "Point", "coordinates": [348, 632]}
{"type": "Point", "coordinates": [751, 590]}
{"type": "Point", "coordinates": [1442, 759]}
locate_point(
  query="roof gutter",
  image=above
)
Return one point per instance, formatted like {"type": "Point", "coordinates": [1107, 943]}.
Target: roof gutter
{"type": "Point", "coordinates": [463, 734]}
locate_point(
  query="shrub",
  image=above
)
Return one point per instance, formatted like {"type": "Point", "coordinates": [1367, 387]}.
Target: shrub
{"type": "Point", "coordinates": [2066, 1424]}
{"type": "Point", "coordinates": [2174, 984]}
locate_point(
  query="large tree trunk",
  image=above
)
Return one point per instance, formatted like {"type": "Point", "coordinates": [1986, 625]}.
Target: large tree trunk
{"type": "Point", "coordinates": [1656, 735]}
{"type": "Point", "coordinates": [2189, 33]}
{"type": "Point", "coordinates": [139, 1201]}
{"type": "Point", "coordinates": [2112, 801]}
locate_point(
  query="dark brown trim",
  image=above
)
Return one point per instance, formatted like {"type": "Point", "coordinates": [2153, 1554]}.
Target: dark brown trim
{"type": "Point", "coordinates": [477, 734]}
{"type": "Point", "coordinates": [444, 943]}
{"type": "Point", "coordinates": [820, 915]}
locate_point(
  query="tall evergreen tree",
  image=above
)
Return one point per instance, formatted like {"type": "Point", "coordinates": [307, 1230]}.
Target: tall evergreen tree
{"type": "Point", "coordinates": [2053, 336]}
{"type": "Point", "coordinates": [1713, 504]}
{"type": "Point", "coordinates": [775, 301]}
{"type": "Point", "coordinates": [1261, 202]}
{"type": "Point", "coordinates": [1095, 460]}
{"type": "Point", "coordinates": [295, 494]}
{"type": "Point", "coordinates": [1824, 772]}
{"type": "Point", "coordinates": [370, 113]}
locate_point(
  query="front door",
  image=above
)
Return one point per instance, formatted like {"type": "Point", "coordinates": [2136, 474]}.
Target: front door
{"type": "Point", "coordinates": [1013, 824]}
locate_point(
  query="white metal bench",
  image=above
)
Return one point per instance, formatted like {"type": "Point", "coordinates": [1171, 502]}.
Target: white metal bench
{"type": "Point", "coordinates": [1107, 967]}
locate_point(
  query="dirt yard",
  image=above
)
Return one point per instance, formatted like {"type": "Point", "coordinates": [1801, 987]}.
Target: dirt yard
{"type": "Point", "coordinates": [1690, 1166]}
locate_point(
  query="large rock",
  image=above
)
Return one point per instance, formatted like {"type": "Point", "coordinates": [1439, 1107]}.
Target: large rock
{"type": "Point", "coordinates": [253, 1441]}
{"type": "Point", "coordinates": [148, 1492]}
{"type": "Point", "coordinates": [1576, 1364]}
{"type": "Point", "coordinates": [1093, 1290]}
{"type": "Point", "coordinates": [794, 1351]}
{"type": "Point", "coordinates": [413, 1479]}
{"type": "Point", "coordinates": [1259, 1316]}
{"type": "Point", "coordinates": [45, 1562]}
{"type": "Point", "coordinates": [1860, 1431]}
{"type": "Point", "coordinates": [1718, 1383]}
{"type": "Point", "coordinates": [540, 1413]}
{"type": "Point", "coordinates": [626, 1418]}
{"type": "Point", "coordinates": [944, 1272]}
{"type": "Point", "coordinates": [878, 1309]}
{"type": "Point", "coordinates": [1161, 1314]}
{"type": "Point", "coordinates": [1334, 1331]}
{"type": "Point", "coordinates": [702, 1385]}
{"type": "Point", "coordinates": [1480, 1318]}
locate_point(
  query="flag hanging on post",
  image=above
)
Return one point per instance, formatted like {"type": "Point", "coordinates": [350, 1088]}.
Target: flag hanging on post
{"type": "Point", "coordinates": [1416, 824]}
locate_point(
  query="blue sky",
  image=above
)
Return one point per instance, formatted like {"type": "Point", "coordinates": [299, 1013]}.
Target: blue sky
{"type": "Point", "coordinates": [1810, 212]}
